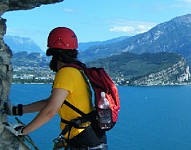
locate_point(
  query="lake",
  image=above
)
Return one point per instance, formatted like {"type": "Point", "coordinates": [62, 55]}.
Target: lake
{"type": "Point", "coordinates": [150, 118]}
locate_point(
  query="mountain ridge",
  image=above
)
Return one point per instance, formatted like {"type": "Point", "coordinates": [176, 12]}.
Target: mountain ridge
{"type": "Point", "coordinates": [17, 44]}
{"type": "Point", "coordinates": [170, 36]}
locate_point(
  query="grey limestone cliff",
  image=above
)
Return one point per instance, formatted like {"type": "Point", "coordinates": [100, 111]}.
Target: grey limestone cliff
{"type": "Point", "coordinates": [7, 140]}
{"type": "Point", "coordinates": [176, 74]}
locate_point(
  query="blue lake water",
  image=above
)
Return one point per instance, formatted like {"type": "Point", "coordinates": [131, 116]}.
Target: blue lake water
{"type": "Point", "coordinates": [151, 118]}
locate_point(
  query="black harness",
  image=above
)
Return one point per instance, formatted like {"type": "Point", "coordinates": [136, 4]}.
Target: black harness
{"type": "Point", "coordinates": [76, 123]}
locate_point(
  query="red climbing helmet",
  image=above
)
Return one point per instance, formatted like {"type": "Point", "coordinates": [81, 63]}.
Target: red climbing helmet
{"type": "Point", "coordinates": [62, 38]}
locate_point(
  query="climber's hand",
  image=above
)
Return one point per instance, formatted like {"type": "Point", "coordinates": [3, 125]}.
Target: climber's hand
{"type": "Point", "coordinates": [16, 128]}
{"type": "Point", "coordinates": [12, 110]}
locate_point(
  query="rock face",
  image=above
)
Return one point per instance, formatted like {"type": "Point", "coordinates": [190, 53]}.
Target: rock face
{"type": "Point", "coordinates": [7, 140]}
{"type": "Point", "coordinates": [178, 72]}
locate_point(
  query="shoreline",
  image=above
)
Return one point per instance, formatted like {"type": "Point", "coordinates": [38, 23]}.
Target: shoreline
{"type": "Point", "coordinates": [178, 84]}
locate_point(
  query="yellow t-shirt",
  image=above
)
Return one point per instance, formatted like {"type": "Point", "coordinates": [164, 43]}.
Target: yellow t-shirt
{"type": "Point", "coordinates": [79, 96]}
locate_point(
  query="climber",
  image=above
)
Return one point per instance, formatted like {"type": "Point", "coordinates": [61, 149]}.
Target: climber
{"type": "Point", "coordinates": [68, 85]}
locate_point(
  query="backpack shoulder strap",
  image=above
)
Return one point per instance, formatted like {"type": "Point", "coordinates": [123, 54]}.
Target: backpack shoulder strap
{"type": "Point", "coordinates": [75, 66]}
{"type": "Point", "coordinates": [74, 108]}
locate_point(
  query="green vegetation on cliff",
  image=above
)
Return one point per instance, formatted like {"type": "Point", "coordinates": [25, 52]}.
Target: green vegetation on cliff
{"type": "Point", "coordinates": [131, 65]}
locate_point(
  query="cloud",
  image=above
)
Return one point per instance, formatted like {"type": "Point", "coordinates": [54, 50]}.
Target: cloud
{"type": "Point", "coordinates": [183, 4]}
{"type": "Point", "coordinates": [131, 27]}
{"type": "Point", "coordinates": [12, 31]}
{"type": "Point", "coordinates": [23, 32]}
{"type": "Point", "coordinates": [69, 10]}
{"type": "Point", "coordinates": [187, 1]}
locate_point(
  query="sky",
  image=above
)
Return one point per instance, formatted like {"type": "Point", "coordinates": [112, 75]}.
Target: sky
{"type": "Point", "coordinates": [94, 20]}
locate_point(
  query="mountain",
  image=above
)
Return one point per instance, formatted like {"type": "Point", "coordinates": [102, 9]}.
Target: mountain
{"type": "Point", "coordinates": [87, 45]}
{"type": "Point", "coordinates": [33, 59]}
{"type": "Point", "coordinates": [170, 36]}
{"type": "Point", "coordinates": [18, 44]}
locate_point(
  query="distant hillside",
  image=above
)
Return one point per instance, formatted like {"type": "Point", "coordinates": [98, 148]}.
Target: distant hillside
{"type": "Point", "coordinates": [26, 59]}
{"type": "Point", "coordinates": [87, 45]}
{"type": "Point", "coordinates": [18, 44]}
{"type": "Point", "coordinates": [171, 36]}
{"type": "Point", "coordinates": [130, 65]}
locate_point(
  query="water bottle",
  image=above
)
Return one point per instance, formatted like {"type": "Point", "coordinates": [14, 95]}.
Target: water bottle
{"type": "Point", "coordinates": [104, 113]}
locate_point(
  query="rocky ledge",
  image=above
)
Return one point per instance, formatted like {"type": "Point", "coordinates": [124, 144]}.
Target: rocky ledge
{"type": "Point", "coordinates": [7, 140]}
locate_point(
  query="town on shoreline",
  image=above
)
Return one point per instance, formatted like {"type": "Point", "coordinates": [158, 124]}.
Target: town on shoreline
{"type": "Point", "coordinates": [43, 75]}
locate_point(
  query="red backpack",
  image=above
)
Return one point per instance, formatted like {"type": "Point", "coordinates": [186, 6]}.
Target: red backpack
{"type": "Point", "coordinates": [100, 81]}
